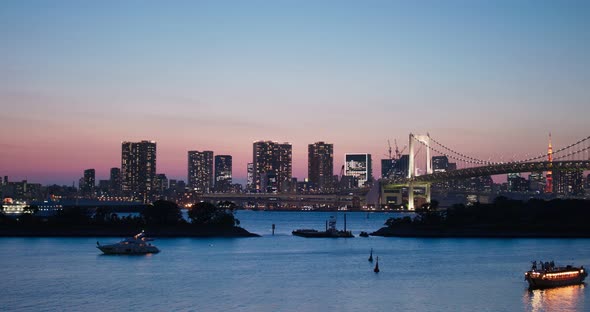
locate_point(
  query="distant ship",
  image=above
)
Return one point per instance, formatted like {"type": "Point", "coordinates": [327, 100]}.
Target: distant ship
{"type": "Point", "coordinates": [551, 276]}
{"type": "Point", "coordinates": [135, 245]}
{"type": "Point", "coordinates": [330, 232]}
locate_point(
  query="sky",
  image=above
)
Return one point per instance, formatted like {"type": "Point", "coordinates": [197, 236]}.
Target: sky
{"type": "Point", "coordinates": [488, 78]}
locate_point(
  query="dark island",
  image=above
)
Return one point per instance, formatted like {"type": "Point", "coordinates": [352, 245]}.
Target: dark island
{"type": "Point", "coordinates": [504, 218]}
{"type": "Point", "coordinates": [160, 219]}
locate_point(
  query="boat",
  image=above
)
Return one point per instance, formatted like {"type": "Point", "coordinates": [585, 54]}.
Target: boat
{"type": "Point", "coordinates": [371, 256]}
{"type": "Point", "coordinates": [376, 269]}
{"type": "Point", "coordinates": [549, 275]}
{"type": "Point", "coordinates": [330, 232]}
{"type": "Point", "coordinates": [364, 234]}
{"type": "Point", "coordinates": [136, 245]}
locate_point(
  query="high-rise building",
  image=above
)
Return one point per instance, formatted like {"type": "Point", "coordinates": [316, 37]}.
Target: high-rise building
{"type": "Point", "coordinates": [161, 183]}
{"type": "Point", "coordinates": [223, 173]}
{"type": "Point", "coordinates": [516, 183]}
{"type": "Point", "coordinates": [272, 166]}
{"type": "Point", "coordinates": [285, 173]}
{"type": "Point", "coordinates": [138, 168]}
{"type": "Point", "coordinates": [200, 171]}
{"type": "Point", "coordinates": [568, 183]}
{"type": "Point", "coordinates": [401, 166]}
{"type": "Point", "coordinates": [359, 166]}
{"type": "Point", "coordinates": [104, 186]}
{"type": "Point", "coordinates": [88, 182]}
{"type": "Point", "coordinates": [440, 163]}
{"type": "Point", "coordinates": [387, 168]}
{"type": "Point", "coordinates": [250, 178]}
{"type": "Point", "coordinates": [320, 165]}
{"type": "Point", "coordinates": [536, 182]}
{"type": "Point", "coordinates": [115, 181]}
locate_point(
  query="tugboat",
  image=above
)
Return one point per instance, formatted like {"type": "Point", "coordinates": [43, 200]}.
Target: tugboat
{"type": "Point", "coordinates": [136, 245]}
{"type": "Point", "coordinates": [330, 231]}
{"type": "Point", "coordinates": [551, 276]}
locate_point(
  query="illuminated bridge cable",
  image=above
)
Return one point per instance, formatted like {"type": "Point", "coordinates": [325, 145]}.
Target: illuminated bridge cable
{"type": "Point", "coordinates": [572, 153]}
{"type": "Point", "coordinates": [556, 151]}
{"type": "Point", "coordinates": [463, 158]}
{"type": "Point", "coordinates": [475, 160]}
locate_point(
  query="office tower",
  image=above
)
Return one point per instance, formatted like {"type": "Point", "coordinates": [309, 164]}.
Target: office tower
{"type": "Point", "coordinates": [569, 183]}
{"type": "Point", "coordinates": [440, 163]}
{"type": "Point", "coordinates": [250, 178]}
{"type": "Point", "coordinates": [88, 182]}
{"type": "Point", "coordinates": [200, 171]}
{"type": "Point", "coordinates": [115, 181]}
{"type": "Point", "coordinates": [536, 182]}
{"type": "Point", "coordinates": [401, 166]}
{"type": "Point", "coordinates": [387, 168]}
{"type": "Point", "coordinates": [516, 183]}
{"type": "Point", "coordinates": [271, 166]}
{"type": "Point", "coordinates": [223, 173]}
{"type": "Point", "coordinates": [161, 183]}
{"type": "Point", "coordinates": [104, 186]}
{"type": "Point", "coordinates": [320, 165]}
{"type": "Point", "coordinates": [138, 168]}
{"type": "Point", "coordinates": [285, 173]}
{"type": "Point", "coordinates": [358, 165]}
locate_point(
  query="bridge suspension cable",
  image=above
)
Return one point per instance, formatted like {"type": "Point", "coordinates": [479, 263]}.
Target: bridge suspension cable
{"type": "Point", "coordinates": [471, 160]}
{"type": "Point", "coordinates": [544, 155]}
{"type": "Point", "coordinates": [464, 158]}
{"type": "Point", "coordinates": [572, 153]}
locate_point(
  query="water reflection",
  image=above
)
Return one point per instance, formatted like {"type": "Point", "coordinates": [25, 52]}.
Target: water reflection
{"type": "Point", "coordinates": [568, 298]}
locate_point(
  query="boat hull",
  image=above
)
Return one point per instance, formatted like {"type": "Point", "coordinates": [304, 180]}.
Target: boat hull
{"type": "Point", "coordinates": [538, 280]}
{"type": "Point", "coordinates": [538, 283]}
{"type": "Point", "coordinates": [323, 234]}
{"type": "Point", "coordinates": [131, 250]}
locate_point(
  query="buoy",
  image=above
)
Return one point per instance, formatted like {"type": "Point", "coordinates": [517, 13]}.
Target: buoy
{"type": "Point", "coordinates": [371, 256]}
{"type": "Point", "coordinates": [376, 270]}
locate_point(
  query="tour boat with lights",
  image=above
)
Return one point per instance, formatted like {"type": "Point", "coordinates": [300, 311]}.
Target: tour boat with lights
{"type": "Point", "coordinates": [136, 245]}
{"type": "Point", "coordinates": [551, 276]}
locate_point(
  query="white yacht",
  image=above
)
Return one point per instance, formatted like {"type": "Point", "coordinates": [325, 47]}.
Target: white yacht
{"type": "Point", "coordinates": [135, 245]}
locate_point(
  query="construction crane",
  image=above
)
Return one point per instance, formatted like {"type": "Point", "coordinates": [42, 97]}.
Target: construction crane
{"type": "Point", "coordinates": [393, 158]}
{"type": "Point", "coordinates": [389, 144]}
{"type": "Point", "coordinates": [398, 153]}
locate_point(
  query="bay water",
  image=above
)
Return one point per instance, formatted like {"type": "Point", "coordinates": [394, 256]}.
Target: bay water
{"type": "Point", "coordinates": [288, 273]}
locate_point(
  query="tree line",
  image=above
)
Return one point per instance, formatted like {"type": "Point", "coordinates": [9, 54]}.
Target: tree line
{"type": "Point", "coordinates": [571, 215]}
{"type": "Point", "coordinates": [159, 213]}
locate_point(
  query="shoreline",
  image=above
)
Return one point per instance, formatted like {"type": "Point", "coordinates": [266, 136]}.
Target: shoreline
{"type": "Point", "coordinates": [473, 233]}
{"type": "Point", "coordinates": [160, 232]}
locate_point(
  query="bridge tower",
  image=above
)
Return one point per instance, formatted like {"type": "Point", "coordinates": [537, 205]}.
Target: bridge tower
{"type": "Point", "coordinates": [425, 140]}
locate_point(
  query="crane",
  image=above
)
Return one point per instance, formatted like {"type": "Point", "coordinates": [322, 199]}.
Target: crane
{"type": "Point", "coordinates": [393, 157]}
{"type": "Point", "coordinates": [398, 153]}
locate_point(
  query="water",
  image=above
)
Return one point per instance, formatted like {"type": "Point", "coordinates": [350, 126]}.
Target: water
{"type": "Point", "coordinates": [288, 273]}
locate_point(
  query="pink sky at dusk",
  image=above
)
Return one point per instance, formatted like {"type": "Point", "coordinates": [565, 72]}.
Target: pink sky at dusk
{"type": "Point", "coordinates": [489, 80]}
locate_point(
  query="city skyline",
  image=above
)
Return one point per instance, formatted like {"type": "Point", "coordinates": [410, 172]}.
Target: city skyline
{"type": "Point", "coordinates": [489, 79]}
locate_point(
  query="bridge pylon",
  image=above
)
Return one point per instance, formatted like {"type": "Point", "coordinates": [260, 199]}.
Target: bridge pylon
{"type": "Point", "coordinates": [425, 140]}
